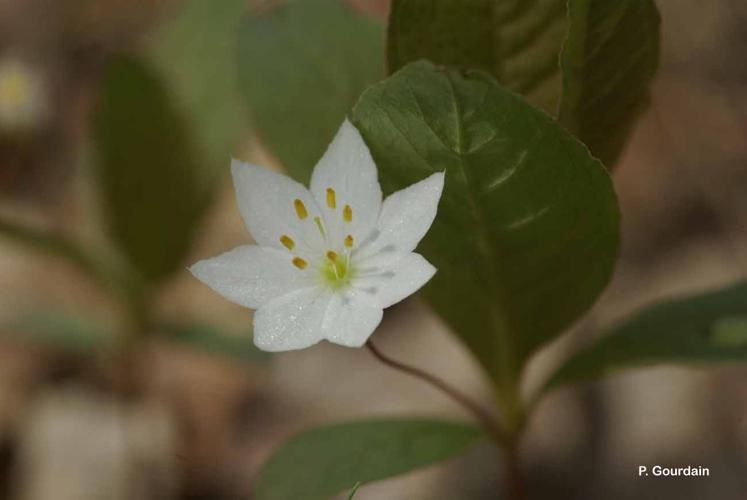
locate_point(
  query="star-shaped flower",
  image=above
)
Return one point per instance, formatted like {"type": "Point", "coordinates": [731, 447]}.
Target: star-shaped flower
{"type": "Point", "coordinates": [328, 260]}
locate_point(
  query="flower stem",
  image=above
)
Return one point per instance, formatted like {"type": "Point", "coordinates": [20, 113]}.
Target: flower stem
{"type": "Point", "coordinates": [513, 476]}
{"type": "Point", "coordinates": [483, 416]}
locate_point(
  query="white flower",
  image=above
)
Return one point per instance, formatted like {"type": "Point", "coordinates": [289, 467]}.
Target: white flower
{"type": "Point", "coordinates": [328, 260]}
{"type": "Point", "coordinates": [23, 102]}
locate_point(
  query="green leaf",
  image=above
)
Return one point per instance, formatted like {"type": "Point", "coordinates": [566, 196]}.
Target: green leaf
{"type": "Point", "coordinates": [608, 61]}
{"type": "Point", "coordinates": [147, 169]}
{"type": "Point", "coordinates": [62, 330]}
{"type": "Point", "coordinates": [325, 461]}
{"type": "Point", "coordinates": [212, 340]}
{"type": "Point", "coordinates": [56, 245]}
{"type": "Point", "coordinates": [354, 490]}
{"type": "Point", "coordinates": [302, 65]}
{"type": "Point", "coordinates": [518, 41]}
{"type": "Point", "coordinates": [194, 54]}
{"type": "Point", "coordinates": [700, 329]}
{"type": "Point", "coordinates": [527, 229]}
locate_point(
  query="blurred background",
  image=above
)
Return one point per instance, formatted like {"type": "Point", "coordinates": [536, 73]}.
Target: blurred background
{"type": "Point", "coordinates": [123, 377]}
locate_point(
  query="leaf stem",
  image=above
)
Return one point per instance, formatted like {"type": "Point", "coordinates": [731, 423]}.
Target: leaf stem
{"type": "Point", "coordinates": [483, 416]}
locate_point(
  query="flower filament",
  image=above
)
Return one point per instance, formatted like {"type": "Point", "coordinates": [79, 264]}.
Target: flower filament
{"type": "Point", "coordinates": [335, 270]}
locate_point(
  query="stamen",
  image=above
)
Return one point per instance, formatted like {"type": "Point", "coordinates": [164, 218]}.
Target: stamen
{"type": "Point", "coordinates": [300, 209]}
{"type": "Point", "coordinates": [319, 226]}
{"type": "Point", "coordinates": [349, 241]}
{"type": "Point", "coordinates": [287, 242]}
{"type": "Point", "coordinates": [299, 263]}
{"type": "Point", "coordinates": [331, 255]}
{"type": "Point", "coordinates": [331, 202]}
{"type": "Point", "coordinates": [347, 213]}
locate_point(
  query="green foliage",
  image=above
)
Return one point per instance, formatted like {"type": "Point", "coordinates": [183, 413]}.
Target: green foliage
{"type": "Point", "coordinates": [63, 331]}
{"type": "Point", "coordinates": [147, 169]}
{"type": "Point", "coordinates": [302, 65]}
{"type": "Point", "coordinates": [210, 339]}
{"type": "Point", "coordinates": [354, 490]}
{"type": "Point", "coordinates": [194, 54]}
{"type": "Point", "coordinates": [518, 41]}
{"type": "Point", "coordinates": [326, 460]}
{"type": "Point", "coordinates": [608, 58]}
{"type": "Point", "coordinates": [527, 229]}
{"type": "Point", "coordinates": [57, 246]}
{"type": "Point", "coordinates": [700, 329]}
{"type": "Point", "coordinates": [608, 61]}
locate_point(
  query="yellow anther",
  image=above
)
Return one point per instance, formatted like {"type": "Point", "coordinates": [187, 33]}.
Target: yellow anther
{"type": "Point", "coordinates": [331, 203]}
{"type": "Point", "coordinates": [299, 262]}
{"type": "Point", "coordinates": [319, 226]}
{"type": "Point", "coordinates": [331, 255]}
{"type": "Point", "coordinates": [287, 242]}
{"type": "Point", "coordinates": [347, 213]}
{"type": "Point", "coordinates": [349, 241]}
{"type": "Point", "coordinates": [300, 209]}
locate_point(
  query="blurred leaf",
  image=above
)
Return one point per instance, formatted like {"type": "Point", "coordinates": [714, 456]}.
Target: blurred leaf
{"type": "Point", "coordinates": [325, 461]}
{"type": "Point", "coordinates": [527, 229]}
{"type": "Point", "coordinates": [62, 330]}
{"type": "Point", "coordinates": [195, 55]}
{"type": "Point", "coordinates": [518, 41]}
{"type": "Point", "coordinates": [302, 66]}
{"type": "Point", "coordinates": [608, 61]}
{"type": "Point", "coordinates": [354, 490]}
{"type": "Point", "coordinates": [55, 245]}
{"type": "Point", "coordinates": [94, 265]}
{"type": "Point", "coordinates": [699, 329]}
{"type": "Point", "coordinates": [209, 339]}
{"type": "Point", "coordinates": [147, 169]}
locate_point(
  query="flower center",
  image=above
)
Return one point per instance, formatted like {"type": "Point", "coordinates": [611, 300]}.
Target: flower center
{"type": "Point", "coordinates": [335, 270]}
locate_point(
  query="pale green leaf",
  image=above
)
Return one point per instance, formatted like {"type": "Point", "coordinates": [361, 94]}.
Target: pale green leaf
{"type": "Point", "coordinates": [194, 54]}
{"type": "Point", "coordinates": [527, 229]}
{"type": "Point", "coordinates": [214, 340]}
{"type": "Point", "coordinates": [608, 60]}
{"type": "Point", "coordinates": [700, 329]}
{"type": "Point", "coordinates": [325, 461]}
{"type": "Point", "coordinates": [302, 65]}
{"type": "Point", "coordinates": [62, 330]}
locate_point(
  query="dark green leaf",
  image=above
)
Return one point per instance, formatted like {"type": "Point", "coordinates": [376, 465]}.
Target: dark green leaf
{"type": "Point", "coordinates": [210, 339]}
{"type": "Point", "coordinates": [325, 461]}
{"type": "Point", "coordinates": [608, 61]}
{"type": "Point", "coordinates": [302, 66]}
{"type": "Point", "coordinates": [699, 329]}
{"type": "Point", "coordinates": [62, 330]}
{"type": "Point", "coordinates": [527, 229]}
{"type": "Point", "coordinates": [147, 169]}
{"type": "Point", "coordinates": [518, 41]}
{"type": "Point", "coordinates": [195, 54]}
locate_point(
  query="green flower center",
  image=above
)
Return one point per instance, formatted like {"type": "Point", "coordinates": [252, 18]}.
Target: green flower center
{"type": "Point", "coordinates": [335, 271]}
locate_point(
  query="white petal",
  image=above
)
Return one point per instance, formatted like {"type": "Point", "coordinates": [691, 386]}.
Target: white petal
{"type": "Point", "coordinates": [350, 319]}
{"type": "Point", "coordinates": [266, 200]}
{"type": "Point", "coordinates": [392, 283]}
{"type": "Point", "coordinates": [250, 275]}
{"type": "Point", "coordinates": [406, 216]}
{"type": "Point", "coordinates": [293, 321]}
{"type": "Point", "coordinates": [348, 169]}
